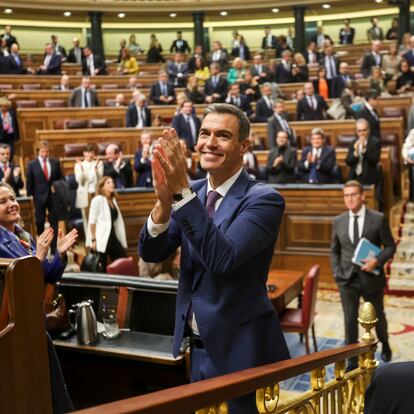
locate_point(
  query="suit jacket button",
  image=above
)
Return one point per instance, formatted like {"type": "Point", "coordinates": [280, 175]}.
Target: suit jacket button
{"type": "Point", "coordinates": [183, 317]}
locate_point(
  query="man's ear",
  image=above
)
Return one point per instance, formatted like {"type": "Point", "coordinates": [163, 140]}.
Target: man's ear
{"type": "Point", "coordinates": [244, 146]}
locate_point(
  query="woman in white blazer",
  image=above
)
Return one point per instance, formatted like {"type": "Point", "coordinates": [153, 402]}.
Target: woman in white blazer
{"type": "Point", "coordinates": [106, 230]}
{"type": "Point", "coordinates": [408, 158]}
{"type": "Point", "coordinates": [87, 174]}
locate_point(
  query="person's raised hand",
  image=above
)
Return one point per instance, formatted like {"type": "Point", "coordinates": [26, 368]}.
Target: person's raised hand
{"type": "Point", "coordinates": [64, 243]}
{"type": "Point", "coordinates": [43, 243]}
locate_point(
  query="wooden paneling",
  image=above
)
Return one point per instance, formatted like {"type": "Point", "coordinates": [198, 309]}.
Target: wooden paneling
{"type": "Point", "coordinates": [305, 234]}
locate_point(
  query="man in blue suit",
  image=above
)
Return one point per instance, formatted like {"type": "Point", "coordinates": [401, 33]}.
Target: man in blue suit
{"type": "Point", "coordinates": [187, 124]}
{"type": "Point", "coordinates": [51, 62]}
{"type": "Point", "coordinates": [227, 226]}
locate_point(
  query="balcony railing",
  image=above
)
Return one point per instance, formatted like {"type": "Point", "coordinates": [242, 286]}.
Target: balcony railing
{"type": "Point", "coordinates": [343, 394]}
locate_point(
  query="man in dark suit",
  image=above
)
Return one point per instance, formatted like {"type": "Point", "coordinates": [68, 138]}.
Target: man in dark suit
{"type": "Point", "coordinates": [269, 41]}
{"type": "Point", "coordinates": [259, 70]}
{"type": "Point", "coordinates": [180, 45]}
{"type": "Point", "coordinates": [162, 93]}
{"type": "Point", "coordinates": [354, 281]}
{"type": "Point", "coordinates": [311, 107]}
{"type": "Point", "coordinates": [219, 55]}
{"type": "Point", "coordinates": [9, 128]}
{"type": "Point", "coordinates": [116, 167]}
{"type": "Point", "coordinates": [318, 160]}
{"type": "Point", "coordinates": [142, 161]}
{"type": "Point", "coordinates": [41, 174]}
{"type": "Point", "coordinates": [235, 98]}
{"type": "Point", "coordinates": [283, 71]}
{"type": "Point", "coordinates": [264, 106]}
{"type": "Point", "coordinates": [329, 62]}
{"type": "Point", "coordinates": [64, 84]}
{"type": "Point", "coordinates": [342, 81]}
{"type": "Point", "coordinates": [17, 66]}
{"type": "Point", "coordinates": [226, 226]}
{"type": "Point", "coordinates": [51, 63]}
{"type": "Point", "coordinates": [371, 59]}
{"type": "Point", "coordinates": [279, 121]}
{"type": "Point", "coordinates": [92, 64]}
{"type": "Point", "coordinates": [177, 71]}
{"type": "Point", "coordinates": [59, 49]}
{"type": "Point", "coordinates": [84, 96]}
{"type": "Point", "coordinates": [364, 155]}
{"type": "Point", "coordinates": [10, 39]}
{"type": "Point", "coordinates": [391, 389]}
{"type": "Point", "coordinates": [216, 86]}
{"type": "Point", "coordinates": [369, 112]}
{"type": "Point", "coordinates": [281, 160]}
{"type": "Point", "coordinates": [347, 33]}
{"type": "Point", "coordinates": [187, 125]}
{"type": "Point", "coordinates": [375, 32]}
{"type": "Point", "coordinates": [10, 173]}
{"type": "Point", "coordinates": [311, 54]}
{"type": "Point", "coordinates": [138, 114]}
{"type": "Point", "coordinates": [75, 54]}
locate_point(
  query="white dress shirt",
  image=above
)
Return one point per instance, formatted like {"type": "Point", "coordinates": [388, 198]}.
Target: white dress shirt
{"type": "Point", "coordinates": [361, 221]}
{"type": "Point", "coordinates": [48, 166]}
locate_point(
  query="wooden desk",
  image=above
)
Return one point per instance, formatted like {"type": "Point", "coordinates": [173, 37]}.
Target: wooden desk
{"type": "Point", "coordinates": [288, 284]}
{"type": "Point", "coordinates": [138, 346]}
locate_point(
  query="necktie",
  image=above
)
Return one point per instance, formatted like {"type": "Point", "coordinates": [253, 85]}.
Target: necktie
{"type": "Point", "coordinates": [164, 89]}
{"type": "Point", "coordinates": [212, 198]}
{"type": "Point", "coordinates": [356, 231]}
{"type": "Point", "coordinates": [85, 97]}
{"type": "Point", "coordinates": [45, 171]}
{"type": "Point", "coordinates": [215, 81]}
{"type": "Point", "coordinates": [333, 68]}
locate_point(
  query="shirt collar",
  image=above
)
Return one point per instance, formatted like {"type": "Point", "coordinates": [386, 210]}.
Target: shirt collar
{"type": "Point", "coordinates": [225, 187]}
{"type": "Point", "coordinates": [360, 213]}
{"type": "Point", "coordinates": [41, 159]}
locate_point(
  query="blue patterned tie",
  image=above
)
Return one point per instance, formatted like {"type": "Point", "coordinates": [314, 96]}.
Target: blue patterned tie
{"type": "Point", "coordinates": [212, 198]}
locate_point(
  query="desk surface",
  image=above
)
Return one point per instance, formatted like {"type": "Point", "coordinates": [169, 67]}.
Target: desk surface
{"type": "Point", "coordinates": [288, 287]}
{"type": "Point", "coordinates": [130, 345]}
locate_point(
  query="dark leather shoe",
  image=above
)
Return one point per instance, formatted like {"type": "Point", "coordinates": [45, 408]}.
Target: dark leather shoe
{"type": "Point", "coordinates": [386, 354]}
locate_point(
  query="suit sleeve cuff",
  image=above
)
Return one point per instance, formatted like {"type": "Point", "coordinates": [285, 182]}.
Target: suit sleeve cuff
{"type": "Point", "coordinates": [155, 230]}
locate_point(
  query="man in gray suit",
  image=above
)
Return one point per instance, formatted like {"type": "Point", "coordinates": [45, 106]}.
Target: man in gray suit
{"type": "Point", "coordinates": [84, 96]}
{"type": "Point", "coordinates": [354, 281]}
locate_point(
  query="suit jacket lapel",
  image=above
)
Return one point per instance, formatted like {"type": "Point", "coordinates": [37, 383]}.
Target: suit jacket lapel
{"type": "Point", "coordinates": [366, 223]}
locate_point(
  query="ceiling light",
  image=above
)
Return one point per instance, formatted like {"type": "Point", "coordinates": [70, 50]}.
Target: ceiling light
{"type": "Point", "coordinates": [8, 11]}
{"type": "Point", "coordinates": [275, 10]}
{"type": "Point", "coordinates": [223, 13]}
{"type": "Point", "coordinates": [173, 14]}
{"type": "Point", "coordinates": [326, 6]}
{"type": "Point", "coordinates": [67, 14]}
{"type": "Point", "coordinates": [121, 15]}
{"type": "Point", "coordinates": [378, 1]}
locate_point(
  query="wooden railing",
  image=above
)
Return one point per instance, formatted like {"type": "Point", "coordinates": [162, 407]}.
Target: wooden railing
{"type": "Point", "coordinates": [343, 394]}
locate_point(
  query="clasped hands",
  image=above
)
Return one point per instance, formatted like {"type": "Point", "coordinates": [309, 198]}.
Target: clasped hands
{"type": "Point", "coordinates": [169, 173]}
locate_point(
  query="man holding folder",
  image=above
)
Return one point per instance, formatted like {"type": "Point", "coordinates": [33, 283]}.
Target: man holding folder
{"type": "Point", "coordinates": [355, 281]}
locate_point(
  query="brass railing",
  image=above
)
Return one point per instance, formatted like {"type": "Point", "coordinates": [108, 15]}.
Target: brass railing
{"type": "Point", "coordinates": [342, 395]}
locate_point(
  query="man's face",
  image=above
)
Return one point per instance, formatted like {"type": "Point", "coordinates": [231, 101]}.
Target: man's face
{"type": "Point", "coordinates": [65, 80]}
{"type": "Point", "coordinates": [4, 155]}
{"type": "Point", "coordinates": [111, 154]}
{"type": "Point", "coordinates": [9, 208]}
{"type": "Point", "coordinates": [86, 83]}
{"type": "Point", "coordinates": [329, 50]}
{"type": "Point", "coordinates": [162, 77]}
{"type": "Point", "coordinates": [215, 70]}
{"type": "Point", "coordinates": [14, 48]}
{"type": "Point", "coordinates": [198, 50]}
{"type": "Point", "coordinates": [281, 139]}
{"type": "Point", "coordinates": [309, 89]}
{"type": "Point", "coordinates": [280, 108]}
{"type": "Point", "coordinates": [178, 57]}
{"type": "Point", "coordinates": [317, 141]}
{"type": "Point", "coordinates": [353, 198]}
{"type": "Point", "coordinates": [267, 30]}
{"type": "Point", "coordinates": [266, 91]}
{"type": "Point", "coordinates": [75, 42]}
{"type": "Point", "coordinates": [362, 130]}
{"type": "Point", "coordinates": [179, 36]}
{"type": "Point", "coordinates": [87, 52]}
{"type": "Point", "coordinates": [132, 82]}
{"type": "Point", "coordinates": [49, 49]}
{"type": "Point", "coordinates": [312, 46]}
{"type": "Point", "coordinates": [257, 60]}
{"type": "Point", "coordinates": [7, 29]}
{"type": "Point", "coordinates": [218, 144]}
{"type": "Point", "coordinates": [343, 68]}
{"type": "Point", "coordinates": [376, 46]}
{"type": "Point", "coordinates": [235, 90]}
{"type": "Point", "coordinates": [375, 21]}
{"type": "Point", "coordinates": [216, 46]}
{"type": "Point", "coordinates": [287, 57]}
{"type": "Point", "coordinates": [44, 152]}
{"type": "Point", "coordinates": [187, 108]}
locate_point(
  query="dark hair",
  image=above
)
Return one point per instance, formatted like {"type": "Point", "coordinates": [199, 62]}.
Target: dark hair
{"type": "Point", "coordinates": [101, 183]}
{"type": "Point", "coordinates": [90, 148]}
{"type": "Point", "coordinates": [224, 108]}
{"type": "Point", "coordinates": [5, 146]}
{"type": "Point", "coordinates": [354, 183]}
